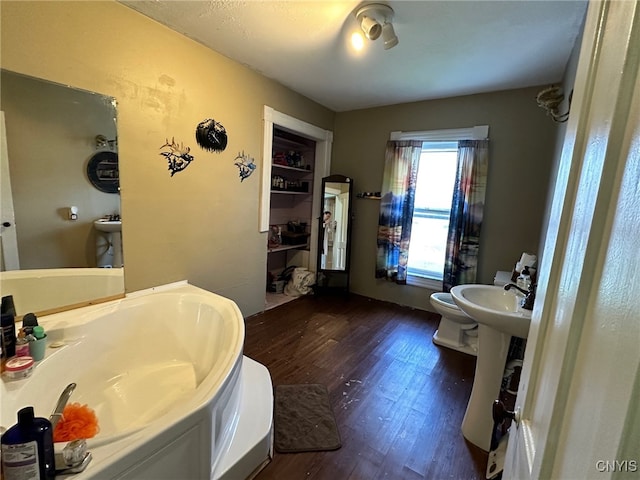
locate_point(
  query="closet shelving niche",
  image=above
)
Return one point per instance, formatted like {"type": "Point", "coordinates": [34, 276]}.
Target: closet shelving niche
{"type": "Point", "coordinates": [292, 166]}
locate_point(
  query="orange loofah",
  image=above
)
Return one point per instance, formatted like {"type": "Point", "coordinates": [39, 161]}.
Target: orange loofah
{"type": "Point", "coordinates": [78, 421]}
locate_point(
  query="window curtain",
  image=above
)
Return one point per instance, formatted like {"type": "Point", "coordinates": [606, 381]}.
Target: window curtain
{"type": "Point", "coordinates": [396, 208]}
{"type": "Point", "coordinates": [466, 213]}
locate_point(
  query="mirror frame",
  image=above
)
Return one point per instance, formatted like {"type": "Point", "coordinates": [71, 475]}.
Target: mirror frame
{"type": "Point", "coordinates": [329, 280]}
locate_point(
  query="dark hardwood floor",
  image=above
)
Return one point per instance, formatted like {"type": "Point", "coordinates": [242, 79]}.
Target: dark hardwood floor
{"type": "Point", "coordinates": [398, 399]}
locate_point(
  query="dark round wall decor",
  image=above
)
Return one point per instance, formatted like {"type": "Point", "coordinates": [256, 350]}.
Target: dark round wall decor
{"type": "Point", "coordinates": [103, 173]}
{"type": "Point", "coordinates": [211, 135]}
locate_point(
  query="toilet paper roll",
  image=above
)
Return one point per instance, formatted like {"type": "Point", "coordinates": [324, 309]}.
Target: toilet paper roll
{"type": "Point", "coordinates": [528, 260]}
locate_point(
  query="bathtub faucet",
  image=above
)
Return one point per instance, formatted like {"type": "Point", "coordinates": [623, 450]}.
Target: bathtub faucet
{"type": "Point", "coordinates": [56, 415]}
{"type": "Point", "coordinates": [530, 295]}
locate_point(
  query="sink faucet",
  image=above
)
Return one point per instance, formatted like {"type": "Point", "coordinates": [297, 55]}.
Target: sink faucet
{"type": "Point", "coordinates": [530, 295]}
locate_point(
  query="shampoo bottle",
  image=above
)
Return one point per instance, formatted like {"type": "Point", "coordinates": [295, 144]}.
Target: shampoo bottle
{"type": "Point", "coordinates": [27, 449]}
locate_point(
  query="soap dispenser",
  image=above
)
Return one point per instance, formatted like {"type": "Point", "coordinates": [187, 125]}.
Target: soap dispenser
{"type": "Point", "coordinates": [524, 279]}
{"type": "Point", "coordinates": [27, 448]}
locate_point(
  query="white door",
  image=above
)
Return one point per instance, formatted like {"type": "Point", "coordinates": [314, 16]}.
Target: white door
{"type": "Point", "coordinates": [8, 237]}
{"type": "Point", "coordinates": [581, 377]}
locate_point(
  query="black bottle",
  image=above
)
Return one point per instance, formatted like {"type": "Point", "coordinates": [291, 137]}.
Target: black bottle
{"type": "Point", "coordinates": [7, 305]}
{"type": "Point", "coordinates": [8, 331]}
{"type": "Point", "coordinates": [27, 448]}
{"type": "Point", "coordinates": [8, 326]}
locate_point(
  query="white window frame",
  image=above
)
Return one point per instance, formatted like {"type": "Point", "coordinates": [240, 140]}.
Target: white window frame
{"type": "Point", "coordinates": [478, 132]}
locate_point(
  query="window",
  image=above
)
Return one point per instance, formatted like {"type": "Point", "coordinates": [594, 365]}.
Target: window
{"type": "Point", "coordinates": [433, 197]}
{"type": "Point", "coordinates": [434, 191]}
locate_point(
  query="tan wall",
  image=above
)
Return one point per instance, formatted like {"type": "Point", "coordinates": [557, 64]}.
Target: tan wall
{"type": "Point", "coordinates": [51, 132]}
{"type": "Point", "coordinates": [202, 223]}
{"type": "Point", "coordinates": [521, 153]}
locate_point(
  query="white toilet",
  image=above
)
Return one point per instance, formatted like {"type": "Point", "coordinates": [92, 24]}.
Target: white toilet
{"type": "Point", "coordinates": [457, 330]}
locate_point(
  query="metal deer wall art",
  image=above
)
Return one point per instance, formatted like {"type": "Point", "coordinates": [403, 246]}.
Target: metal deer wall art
{"type": "Point", "coordinates": [177, 156]}
{"type": "Point", "coordinates": [245, 164]}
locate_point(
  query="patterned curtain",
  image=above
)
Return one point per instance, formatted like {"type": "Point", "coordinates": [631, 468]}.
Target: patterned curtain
{"type": "Point", "coordinates": [396, 209]}
{"type": "Point", "coordinates": [466, 213]}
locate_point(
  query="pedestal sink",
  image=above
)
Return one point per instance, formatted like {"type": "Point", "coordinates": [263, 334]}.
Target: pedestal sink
{"type": "Point", "coordinates": [499, 316]}
{"type": "Point", "coordinates": [108, 226]}
{"type": "Point", "coordinates": [113, 231]}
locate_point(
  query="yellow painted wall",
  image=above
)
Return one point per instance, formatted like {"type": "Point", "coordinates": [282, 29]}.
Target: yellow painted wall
{"type": "Point", "coordinates": [202, 223]}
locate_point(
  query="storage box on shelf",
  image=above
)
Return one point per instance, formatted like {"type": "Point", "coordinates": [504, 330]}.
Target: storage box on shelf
{"type": "Point", "coordinates": [293, 235]}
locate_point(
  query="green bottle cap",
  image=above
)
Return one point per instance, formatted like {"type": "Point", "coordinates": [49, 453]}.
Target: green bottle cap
{"type": "Point", "coordinates": [38, 332]}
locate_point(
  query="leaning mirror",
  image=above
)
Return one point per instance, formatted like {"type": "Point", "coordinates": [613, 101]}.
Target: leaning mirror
{"type": "Point", "coordinates": [60, 196]}
{"type": "Point", "coordinates": [335, 232]}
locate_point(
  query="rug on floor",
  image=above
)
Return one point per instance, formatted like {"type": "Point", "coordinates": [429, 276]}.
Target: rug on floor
{"type": "Point", "coordinates": [304, 420]}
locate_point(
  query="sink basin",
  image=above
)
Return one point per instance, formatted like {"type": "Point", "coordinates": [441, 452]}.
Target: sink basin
{"type": "Point", "coordinates": [108, 225]}
{"type": "Point", "coordinates": [494, 307]}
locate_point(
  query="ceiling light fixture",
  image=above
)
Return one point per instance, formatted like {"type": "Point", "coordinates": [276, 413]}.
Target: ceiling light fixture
{"type": "Point", "coordinates": [371, 28]}
{"type": "Point", "coordinates": [389, 36]}
{"type": "Point", "coordinates": [375, 20]}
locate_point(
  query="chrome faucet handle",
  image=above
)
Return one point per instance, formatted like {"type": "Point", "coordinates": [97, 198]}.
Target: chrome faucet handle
{"type": "Point", "coordinates": [56, 415]}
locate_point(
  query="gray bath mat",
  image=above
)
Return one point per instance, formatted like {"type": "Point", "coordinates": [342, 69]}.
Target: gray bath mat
{"type": "Point", "coordinates": [303, 418]}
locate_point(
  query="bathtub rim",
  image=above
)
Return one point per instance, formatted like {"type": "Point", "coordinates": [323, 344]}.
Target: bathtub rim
{"type": "Point", "coordinates": [117, 447]}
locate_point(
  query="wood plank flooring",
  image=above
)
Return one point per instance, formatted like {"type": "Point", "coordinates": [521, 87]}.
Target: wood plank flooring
{"type": "Point", "coordinates": [398, 399]}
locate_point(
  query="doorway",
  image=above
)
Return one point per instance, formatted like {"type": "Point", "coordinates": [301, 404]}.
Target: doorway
{"type": "Point", "coordinates": [296, 156]}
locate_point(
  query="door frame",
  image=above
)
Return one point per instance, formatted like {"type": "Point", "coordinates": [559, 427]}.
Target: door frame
{"type": "Point", "coordinates": [8, 235]}
{"type": "Point", "coordinates": [322, 165]}
{"type": "Point", "coordinates": [581, 372]}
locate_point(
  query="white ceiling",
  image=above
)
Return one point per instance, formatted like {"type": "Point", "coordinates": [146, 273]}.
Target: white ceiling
{"type": "Point", "coordinates": [446, 49]}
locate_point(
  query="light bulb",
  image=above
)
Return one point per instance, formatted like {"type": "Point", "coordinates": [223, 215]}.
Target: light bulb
{"type": "Point", "coordinates": [357, 41]}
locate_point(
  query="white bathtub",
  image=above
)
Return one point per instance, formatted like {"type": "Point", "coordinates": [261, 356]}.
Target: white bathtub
{"type": "Point", "coordinates": [46, 290]}
{"type": "Point", "coordinates": [164, 371]}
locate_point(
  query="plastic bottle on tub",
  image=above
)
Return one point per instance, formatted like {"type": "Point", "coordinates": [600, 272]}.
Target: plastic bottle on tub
{"type": "Point", "coordinates": [27, 448]}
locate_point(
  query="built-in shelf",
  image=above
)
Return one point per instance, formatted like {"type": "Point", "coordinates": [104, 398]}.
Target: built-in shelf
{"type": "Point", "coordinates": [292, 171]}
{"type": "Point", "coordinates": [287, 247]}
{"type": "Point", "coordinates": [295, 169]}
{"type": "Point", "coordinates": [369, 195]}
{"type": "Point", "coordinates": [289, 192]}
